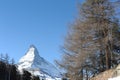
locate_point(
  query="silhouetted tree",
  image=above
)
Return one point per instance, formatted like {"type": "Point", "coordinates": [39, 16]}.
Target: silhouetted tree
{"type": "Point", "coordinates": [2, 71]}
{"type": "Point", "coordinates": [26, 75]}
{"type": "Point", "coordinates": [13, 72]}
{"type": "Point", "coordinates": [35, 78]}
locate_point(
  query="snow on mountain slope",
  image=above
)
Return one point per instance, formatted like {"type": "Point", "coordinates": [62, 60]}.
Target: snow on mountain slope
{"type": "Point", "coordinates": [37, 65]}
{"type": "Point", "coordinates": [115, 78]}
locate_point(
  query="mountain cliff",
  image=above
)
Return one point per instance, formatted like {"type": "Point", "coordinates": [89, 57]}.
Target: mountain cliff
{"type": "Point", "coordinates": [37, 65]}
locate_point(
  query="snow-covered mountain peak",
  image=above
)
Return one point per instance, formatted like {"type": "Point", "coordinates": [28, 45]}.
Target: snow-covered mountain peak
{"type": "Point", "coordinates": [33, 51]}
{"type": "Point", "coordinates": [32, 48]}
{"type": "Point", "coordinates": [30, 56]}
{"type": "Point", "coordinates": [33, 61]}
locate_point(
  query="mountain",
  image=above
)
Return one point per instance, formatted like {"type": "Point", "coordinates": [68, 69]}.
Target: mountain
{"type": "Point", "coordinates": [37, 65]}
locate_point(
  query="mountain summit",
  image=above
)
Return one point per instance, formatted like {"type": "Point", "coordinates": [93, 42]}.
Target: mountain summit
{"type": "Point", "coordinates": [37, 65]}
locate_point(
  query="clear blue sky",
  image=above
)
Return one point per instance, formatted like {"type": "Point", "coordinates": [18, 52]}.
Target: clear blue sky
{"type": "Point", "coordinates": [39, 22]}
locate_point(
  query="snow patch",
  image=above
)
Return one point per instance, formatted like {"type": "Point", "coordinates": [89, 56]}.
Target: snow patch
{"type": "Point", "coordinates": [115, 78]}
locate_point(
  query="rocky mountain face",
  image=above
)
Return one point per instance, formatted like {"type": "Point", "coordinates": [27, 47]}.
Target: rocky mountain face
{"type": "Point", "coordinates": [37, 65]}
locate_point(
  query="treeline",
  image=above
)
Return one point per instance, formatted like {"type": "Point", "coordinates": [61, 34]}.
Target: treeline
{"type": "Point", "coordinates": [92, 44]}
{"type": "Point", "coordinates": [9, 71]}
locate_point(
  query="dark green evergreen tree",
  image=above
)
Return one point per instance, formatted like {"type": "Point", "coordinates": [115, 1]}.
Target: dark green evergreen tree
{"type": "Point", "coordinates": [13, 72]}
{"type": "Point", "coordinates": [26, 75]}
{"type": "Point", "coordinates": [2, 71]}
{"type": "Point", "coordinates": [35, 78]}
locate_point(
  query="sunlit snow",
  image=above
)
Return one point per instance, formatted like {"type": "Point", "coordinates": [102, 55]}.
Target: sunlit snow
{"type": "Point", "coordinates": [115, 78]}
{"type": "Point", "coordinates": [37, 65]}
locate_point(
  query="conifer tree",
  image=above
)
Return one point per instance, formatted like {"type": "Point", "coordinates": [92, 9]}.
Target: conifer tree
{"type": "Point", "coordinates": [26, 75]}
{"type": "Point", "coordinates": [2, 71]}
{"type": "Point", "coordinates": [35, 78]}
{"type": "Point", "coordinates": [89, 45]}
{"type": "Point", "coordinates": [13, 72]}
